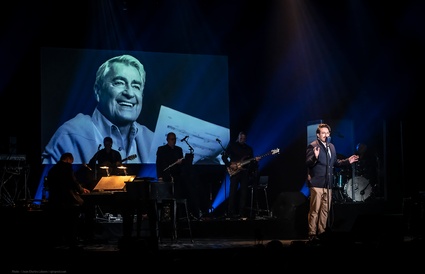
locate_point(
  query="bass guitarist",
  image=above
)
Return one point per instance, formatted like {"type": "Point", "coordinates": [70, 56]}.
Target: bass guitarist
{"type": "Point", "coordinates": [233, 156]}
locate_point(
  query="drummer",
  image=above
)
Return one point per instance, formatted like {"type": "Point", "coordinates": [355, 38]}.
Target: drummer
{"type": "Point", "coordinates": [362, 167]}
{"type": "Point", "coordinates": [368, 164]}
{"type": "Point", "coordinates": [341, 173]}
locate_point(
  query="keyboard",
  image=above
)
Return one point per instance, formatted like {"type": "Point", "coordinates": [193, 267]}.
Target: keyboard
{"type": "Point", "coordinates": [13, 157]}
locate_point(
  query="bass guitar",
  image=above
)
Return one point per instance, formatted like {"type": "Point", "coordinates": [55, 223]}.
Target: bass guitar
{"type": "Point", "coordinates": [236, 167]}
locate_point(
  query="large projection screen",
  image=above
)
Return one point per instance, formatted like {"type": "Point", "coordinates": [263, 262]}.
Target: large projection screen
{"type": "Point", "coordinates": [184, 93]}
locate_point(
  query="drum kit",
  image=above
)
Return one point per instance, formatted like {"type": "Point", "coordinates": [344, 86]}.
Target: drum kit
{"type": "Point", "coordinates": [351, 187]}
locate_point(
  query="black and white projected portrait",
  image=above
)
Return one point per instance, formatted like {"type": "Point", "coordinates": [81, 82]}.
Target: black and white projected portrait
{"type": "Point", "coordinates": [134, 97]}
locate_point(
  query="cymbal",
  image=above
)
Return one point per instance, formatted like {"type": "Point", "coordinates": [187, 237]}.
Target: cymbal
{"type": "Point", "coordinates": [122, 167]}
{"type": "Point", "coordinates": [104, 167]}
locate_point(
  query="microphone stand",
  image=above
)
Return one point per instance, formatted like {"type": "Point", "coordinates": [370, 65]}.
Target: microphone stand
{"type": "Point", "coordinates": [353, 175]}
{"type": "Point", "coordinates": [188, 181]}
{"type": "Point", "coordinates": [95, 163]}
{"type": "Point", "coordinates": [327, 178]}
{"type": "Point", "coordinates": [190, 147]}
{"type": "Point", "coordinates": [224, 150]}
{"type": "Point", "coordinates": [225, 191]}
{"type": "Point", "coordinates": [191, 150]}
{"type": "Point", "coordinates": [191, 155]}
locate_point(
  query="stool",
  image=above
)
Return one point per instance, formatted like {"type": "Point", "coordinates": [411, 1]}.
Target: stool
{"type": "Point", "coordinates": [261, 186]}
{"type": "Point", "coordinates": [183, 202]}
{"type": "Point", "coordinates": [167, 205]}
{"type": "Point", "coordinates": [167, 212]}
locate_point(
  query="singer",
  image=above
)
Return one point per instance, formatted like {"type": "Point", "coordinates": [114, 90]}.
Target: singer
{"type": "Point", "coordinates": [321, 158]}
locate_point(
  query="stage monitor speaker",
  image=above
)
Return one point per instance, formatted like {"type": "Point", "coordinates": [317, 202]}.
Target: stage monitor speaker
{"type": "Point", "coordinates": [378, 228]}
{"type": "Point", "coordinates": [113, 183]}
{"type": "Point", "coordinates": [290, 210]}
{"type": "Point", "coordinates": [287, 203]}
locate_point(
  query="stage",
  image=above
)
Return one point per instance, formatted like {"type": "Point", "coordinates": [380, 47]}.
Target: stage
{"type": "Point", "coordinates": [363, 230]}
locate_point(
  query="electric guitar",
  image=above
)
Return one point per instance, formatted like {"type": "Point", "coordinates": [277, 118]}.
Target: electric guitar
{"type": "Point", "coordinates": [131, 157]}
{"type": "Point", "coordinates": [239, 165]}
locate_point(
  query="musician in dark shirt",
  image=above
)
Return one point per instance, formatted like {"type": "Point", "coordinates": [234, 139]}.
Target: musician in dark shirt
{"type": "Point", "coordinates": [240, 176]}
{"type": "Point", "coordinates": [169, 159]}
{"type": "Point", "coordinates": [64, 201]}
{"type": "Point", "coordinates": [106, 160]}
{"type": "Point", "coordinates": [172, 166]}
{"type": "Point", "coordinates": [366, 171]}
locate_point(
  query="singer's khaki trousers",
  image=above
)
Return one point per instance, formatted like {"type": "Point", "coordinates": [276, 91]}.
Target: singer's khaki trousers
{"type": "Point", "coordinates": [320, 200]}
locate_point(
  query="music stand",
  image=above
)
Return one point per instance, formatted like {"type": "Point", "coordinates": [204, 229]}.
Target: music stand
{"type": "Point", "coordinates": [113, 183]}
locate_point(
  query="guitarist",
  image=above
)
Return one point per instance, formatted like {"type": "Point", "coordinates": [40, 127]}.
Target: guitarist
{"type": "Point", "coordinates": [234, 154]}
{"type": "Point", "coordinates": [106, 157]}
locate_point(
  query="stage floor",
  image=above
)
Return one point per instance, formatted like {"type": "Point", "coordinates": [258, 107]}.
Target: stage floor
{"type": "Point", "coordinates": [206, 254]}
{"type": "Point", "coordinates": [362, 235]}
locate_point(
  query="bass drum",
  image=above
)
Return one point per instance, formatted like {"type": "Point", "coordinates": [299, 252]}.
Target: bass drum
{"type": "Point", "coordinates": [360, 191]}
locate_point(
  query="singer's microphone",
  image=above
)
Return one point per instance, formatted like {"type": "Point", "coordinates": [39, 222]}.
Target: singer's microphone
{"type": "Point", "coordinates": [184, 139]}
{"type": "Point", "coordinates": [99, 146]}
{"type": "Point", "coordinates": [328, 140]}
{"type": "Point", "coordinates": [218, 140]}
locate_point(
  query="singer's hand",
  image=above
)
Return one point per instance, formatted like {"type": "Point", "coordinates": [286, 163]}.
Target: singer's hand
{"type": "Point", "coordinates": [316, 151]}
{"type": "Point", "coordinates": [353, 158]}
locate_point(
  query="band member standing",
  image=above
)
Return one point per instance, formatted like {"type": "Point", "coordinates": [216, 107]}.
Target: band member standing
{"type": "Point", "coordinates": [106, 158]}
{"type": "Point", "coordinates": [237, 152]}
{"type": "Point", "coordinates": [172, 166]}
{"type": "Point", "coordinates": [169, 158]}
